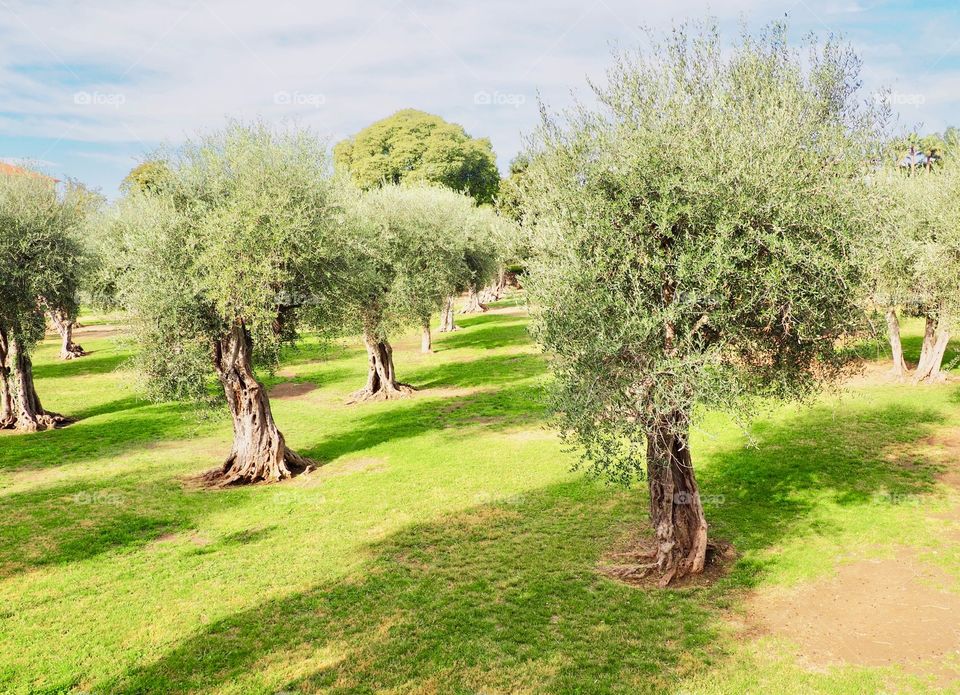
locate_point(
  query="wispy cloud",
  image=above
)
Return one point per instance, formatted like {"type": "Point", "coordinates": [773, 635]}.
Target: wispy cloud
{"type": "Point", "coordinates": [117, 78]}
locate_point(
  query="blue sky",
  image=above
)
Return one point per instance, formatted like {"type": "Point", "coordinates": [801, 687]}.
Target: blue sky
{"type": "Point", "coordinates": [88, 89]}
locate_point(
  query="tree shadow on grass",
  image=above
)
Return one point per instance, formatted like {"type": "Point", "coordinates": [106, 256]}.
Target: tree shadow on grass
{"type": "Point", "coordinates": [768, 491]}
{"type": "Point", "coordinates": [94, 363]}
{"type": "Point", "coordinates": [78, 520]}
{"type": "Point", "coordinates": [506, 596]}
{"type": "Point", "coordinates": [485, 371]}
{"type": "Point", "coordinates": [127, 429]}
{"type": "Point", "coordinates": [504, 408]}
{"type": "Point", "coordinates": [501, 331]}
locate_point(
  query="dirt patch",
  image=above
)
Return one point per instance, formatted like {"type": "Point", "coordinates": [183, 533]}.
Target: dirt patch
{"type": "Point", "coordinates": [292, 389]}
{"type": "Point", "coordinates": [98, 331]}
{"type": "Point", "coordinates": [875, 613]}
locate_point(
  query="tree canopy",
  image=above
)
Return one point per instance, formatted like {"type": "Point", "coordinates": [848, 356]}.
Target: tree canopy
{"type": "Point", "coordinates": [695, 250]}
{"type": "Point", "coordinates": [414, 146]}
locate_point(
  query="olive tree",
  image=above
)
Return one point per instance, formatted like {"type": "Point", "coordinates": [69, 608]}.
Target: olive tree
{"type": "Point", "coordinates": [409, 243]}
{"type": "Point", "coordinates": [694, 235]}
{"type": "Point", "coordinates": [41, 256]}
{"type": "Point", "coordinates": [236, 243]}
{"type": "Point", "coordinates": [931, 222]}
{"type": "Point", "coordinates": [484, 241]}
{"type": "Point", "coordinates": [888, 259]}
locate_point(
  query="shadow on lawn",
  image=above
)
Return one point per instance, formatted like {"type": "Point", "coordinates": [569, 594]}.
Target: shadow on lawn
{"type": "Point", "coordinates": [506, 595]}
{"type": "Point", "coordinates": [94, 363]}
{"type": "Point", "coordinates": [132, 425]}
{"type": "Point", "coordinates": [75, 521]}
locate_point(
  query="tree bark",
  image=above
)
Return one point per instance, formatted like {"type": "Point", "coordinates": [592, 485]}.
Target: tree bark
{"type": "Point", "coordinates": [260, 453]}
{"type": "Point", "coordinates": [447, 323]}
{"type": "Point", "coordinates": [929, 369]}
{"type": "Point", "coordinates": [473, 305]}
{"type": "Point", "coordinates": [426, 342]}
{"type": "Point", "coordinates": [382, 381]}
{"type": "Point", "coordinates": [899, 367]}
{"type": "Point", "coordinates": [929, 339]}
{"type": "Point", "coordinates": [676, 512]}
{"type": "Point", "coordinates": [494, 291]}
{"type": "Point", "coordinates": [7, 416]}
{"type": "Point", "coordinates": [64, 325]}
{"type": "Point", "coordinates": [29, 414]}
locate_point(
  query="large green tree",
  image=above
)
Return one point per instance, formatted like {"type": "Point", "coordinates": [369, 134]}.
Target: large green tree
{"type": "Point", "coordinates": [414, 146]}
{"type": "Point", "coordinates": [235, 246]}
{"type": "Point", "coordinates": [695, 233]}
{"type": "Point", "coordinates": [41, 259]}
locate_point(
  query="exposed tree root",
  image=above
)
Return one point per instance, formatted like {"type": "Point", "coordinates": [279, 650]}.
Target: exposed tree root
{"type": "Point", "coordinates": [639, 566]}
{"type": "Point", "coordinates": [366, 395]}
{"type": "Point", "coordinates": [290, 465]}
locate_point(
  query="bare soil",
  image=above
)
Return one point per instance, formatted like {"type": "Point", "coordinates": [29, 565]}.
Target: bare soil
{"type": "Point", "coordinates": [874, 612]}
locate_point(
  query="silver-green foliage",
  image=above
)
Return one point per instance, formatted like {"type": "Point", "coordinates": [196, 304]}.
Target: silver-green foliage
{"type": "Point", "coordinates": [244, 229]}
{"type": "Point", "coordinates": [41, 250]}
{"type": "Point", "coordinates": [414, 246]}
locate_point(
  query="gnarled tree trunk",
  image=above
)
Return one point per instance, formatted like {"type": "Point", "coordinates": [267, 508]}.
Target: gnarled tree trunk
{"type": "Point", "coordinates": [64, 325]}
{"type": "Point", "coordinates": [899, 367]}
{"type": "Point", "coordinates": [29, 414]}
{"type": "Point", "coordinates": [676, 512]}
{"type": "Point", "coordinates": [494, 291]}
{"type": "Point", "coordinates": [931, 360]}
{"type": "Point", "coordinates": [382, 381]}
{"type": "Point", "coordinates": [7, 417]}
{"type": "Point", "coordinates": [426, 340]}
{"type": "Point", "coordinates": [473, 305]}
{"type": "Point", "coordinates": [929, 339]}
{"type": "Point", "coordinates": [260, 453]}
{"type": "Point", "coordinates": [446, 317]}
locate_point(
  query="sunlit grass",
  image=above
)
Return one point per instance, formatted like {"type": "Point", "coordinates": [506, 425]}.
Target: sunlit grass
{"type": "Point", "coordinates": [445, 546]}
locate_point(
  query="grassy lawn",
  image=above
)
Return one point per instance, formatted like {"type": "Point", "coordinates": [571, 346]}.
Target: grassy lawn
{"type": "Point", "coordinates": [446, 545]}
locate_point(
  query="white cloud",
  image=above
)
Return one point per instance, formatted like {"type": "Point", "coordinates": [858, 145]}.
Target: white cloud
{"type": "Point", "coordinates": [147, 72]}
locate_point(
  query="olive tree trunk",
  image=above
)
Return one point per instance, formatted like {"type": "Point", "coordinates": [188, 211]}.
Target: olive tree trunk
{"type": "Point", "coordinates": [494, 291]}
{"type": "Point", "coordinates": [929, 339]}
{"type": "Point", "coordinates": [29, 414]}
{"type": "Point", "coordinates": [899, 368]}
{"type": "Point", "coordinates": [473, 305]}
{"type": "Point", "coordinates": [259, 452]}
{"type": "Point", "coordinates": [7, 417]}
{"type": "Point", "coordinates": [64, 325]}
{"type": "Point", "coordinates": [929, 369]}
{"type": "Point", "coordinates": [446, 317]}
{"type": "Point", "coordinates": [426, 340]}
{"type": "Point", "coordinates": [382, 381]}
{"type": "Point", "coordinates": [676, 512]}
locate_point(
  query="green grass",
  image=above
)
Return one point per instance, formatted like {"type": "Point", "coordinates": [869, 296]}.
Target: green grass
{"type": "Point", "coordinates": [446, 545]}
